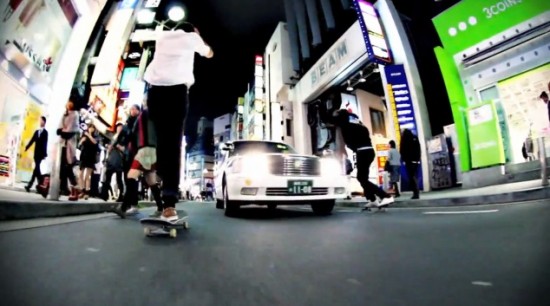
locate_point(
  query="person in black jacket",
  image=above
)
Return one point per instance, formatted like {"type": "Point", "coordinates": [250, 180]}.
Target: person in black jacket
{"type": "Point", "coordinates": [356, 136]}
{"type": "Point", "coordinates": [40, 141]}
{"type": "Point", "coordinates": [410, 155]}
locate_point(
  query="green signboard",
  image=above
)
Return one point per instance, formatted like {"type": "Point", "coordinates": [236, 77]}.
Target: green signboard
{"type": "Point", "coordinates": [469, 22]}
{"type": "Point", "coordinates": [485, 136]}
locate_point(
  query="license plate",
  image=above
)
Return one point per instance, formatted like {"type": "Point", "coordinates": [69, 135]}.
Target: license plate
{"type": "Point", "coordinates": [300, 187]}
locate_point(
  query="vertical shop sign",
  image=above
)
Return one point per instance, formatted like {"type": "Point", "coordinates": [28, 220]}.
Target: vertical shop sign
{"type": "Point", "coordinates": [373, 34]}
{"type": "Point", "coordinates": [400, 99]}
{"type": "Point", "coordinates": [382, 154]}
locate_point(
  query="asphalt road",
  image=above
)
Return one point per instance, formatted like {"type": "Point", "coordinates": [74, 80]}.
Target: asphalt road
{"type": "Point", "coordinates": [288, 257]}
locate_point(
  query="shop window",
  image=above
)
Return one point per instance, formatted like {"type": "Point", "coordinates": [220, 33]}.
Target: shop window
{"type": "Point", "coordinates": [289, 127]}
{"type": "Point", "coordinates": [378, 122]}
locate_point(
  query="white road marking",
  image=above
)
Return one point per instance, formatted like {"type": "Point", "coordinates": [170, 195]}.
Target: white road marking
{"type": "Point", "coordinates": [481, 283]}
{"type": "Point", "coordinates": [460, 212]}
{"type": "Point", "coordinates": [93, 250]}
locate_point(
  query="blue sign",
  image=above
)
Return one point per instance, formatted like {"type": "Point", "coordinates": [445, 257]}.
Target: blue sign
{"type": "Point", "coordinates": [373, 34]}
{"type": "Point", "coordinates": [400, 96]}
{"type": "Point", "coordinates": [128, 4]}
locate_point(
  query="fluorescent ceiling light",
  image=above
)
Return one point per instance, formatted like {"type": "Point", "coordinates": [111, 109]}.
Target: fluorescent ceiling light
{"type": "Point", "coordinates": [145, 17]}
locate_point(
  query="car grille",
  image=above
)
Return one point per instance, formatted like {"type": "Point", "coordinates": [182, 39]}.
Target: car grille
{"type": "Point", "coordinates": [295, 166]}
{"type": "Point", "coordinates": [316, 191]}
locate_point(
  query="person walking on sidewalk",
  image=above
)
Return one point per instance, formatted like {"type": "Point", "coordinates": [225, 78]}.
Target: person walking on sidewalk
{"type": "Point", "coordinates": [89, 148]}
{"type": "Point", "coordinates": [410, 155]}
{"type": "Point", "coordinates": [40, 141]}
{"type": "Point", "coordinates": [68, 130]}
{"type": "Point", "coordinates": [142, 141]}
{"type": "Point", "coordinates": [170, 76]}
{"type": "Point", "coordinates": [356, 136]}
{"type": "Point", "coordinates": [114, 165]}
{"type": "Point", "coordinates": [394, 160]}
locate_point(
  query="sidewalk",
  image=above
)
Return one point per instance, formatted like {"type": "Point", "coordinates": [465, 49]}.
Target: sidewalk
{"type": "Point", "coordinates": [19, 204]}
{"type": "Point", "coordinates": [498, 194]}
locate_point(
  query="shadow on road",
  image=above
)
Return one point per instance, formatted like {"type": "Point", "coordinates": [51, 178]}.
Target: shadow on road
{"type": "Point", "coordinates": [262, 213]}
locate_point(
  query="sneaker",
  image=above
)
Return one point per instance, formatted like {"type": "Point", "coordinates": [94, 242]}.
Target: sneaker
{"type": "Point", "coordinates": [386, 201]}
{"type": "Point", "coordinates": [28, 189]}
{"type": "Point", "coordinates": [120, 211]}
{"type": "Point", "coordinates": [132, 211]}
{"type": "Point", "coordinates": [169, 214]}
{"type": "Point", "coordinates": [370, 204]}
{"type": "Point", "coordinates": [156, 214]}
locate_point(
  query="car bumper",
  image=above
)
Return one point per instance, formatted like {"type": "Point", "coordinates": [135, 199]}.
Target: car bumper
{"type": "Point", "coordinates": [269, 189]}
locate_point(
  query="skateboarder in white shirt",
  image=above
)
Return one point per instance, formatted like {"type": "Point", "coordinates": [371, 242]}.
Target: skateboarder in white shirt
{"type": "Point", "coordinates": [170, 75]}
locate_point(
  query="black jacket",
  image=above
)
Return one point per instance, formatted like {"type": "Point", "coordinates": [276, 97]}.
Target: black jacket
{"type": "Point", "coordinates": [40, 144]}
{"type": "Point", "coordinates": [410, 147]}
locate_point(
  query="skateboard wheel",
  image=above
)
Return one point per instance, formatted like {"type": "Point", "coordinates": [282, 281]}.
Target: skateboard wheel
{"type": "Point", "coordinates": [173, 233]}
{"type": "Point", "coordinates": [186, 225]}
{"type": "Point", "coordinates": [147, 231]}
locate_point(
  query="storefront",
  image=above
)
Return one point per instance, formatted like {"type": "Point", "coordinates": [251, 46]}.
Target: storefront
{"type": "Point", "coordinates": [495, 61]}
{"type": "Point", "coordinates": [359, 73]}
{"type": "Point", "coordinates": [35, 35]}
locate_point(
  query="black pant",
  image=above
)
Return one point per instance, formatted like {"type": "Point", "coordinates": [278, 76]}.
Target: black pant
{"type": "Point", "coordinates": [36, 174]}
{"type": "Point", "coordinates": [67, 169]}
{"type": "Point", "coordinates": [167, 110]}
{"type": "Point", "coordinates": [107, 183]}
{"type": "Point", "coordinates": [412, 169]}
{"type": "Point", "coordinates": [364, 160]}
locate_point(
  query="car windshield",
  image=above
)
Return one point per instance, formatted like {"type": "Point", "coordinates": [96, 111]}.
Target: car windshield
{"type": "Point", "coordinates": [243, 148]}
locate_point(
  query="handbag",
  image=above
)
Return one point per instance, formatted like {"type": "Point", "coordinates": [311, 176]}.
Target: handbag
{"type": "Point", "coordinates": [387, 166]}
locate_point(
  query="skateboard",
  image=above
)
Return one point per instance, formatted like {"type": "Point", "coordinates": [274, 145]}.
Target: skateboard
{"type": "Point", "coordinates": [373, 208]}
{"type": "Point", "coordinates": [156, 226]}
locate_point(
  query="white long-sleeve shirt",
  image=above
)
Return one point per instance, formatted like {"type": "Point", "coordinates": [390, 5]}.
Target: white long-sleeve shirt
{"type": "Point", "coordinates": [174, 58]}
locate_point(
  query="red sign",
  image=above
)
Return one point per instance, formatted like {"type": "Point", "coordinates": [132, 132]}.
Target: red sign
{"type": "Point", "coordinates": [259, 60]}
{"type": "Point", "coordinates": [382, 153]}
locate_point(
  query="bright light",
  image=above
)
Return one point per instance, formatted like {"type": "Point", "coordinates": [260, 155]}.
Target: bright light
{"type": "Point", "coordinates": [176, 14]}
{"type": "Point", "coordinates": [254, 165]}
{"type": "Point", "coordinates": [145, 17]}
{"type": "Point", "coordinates": [330, 167]}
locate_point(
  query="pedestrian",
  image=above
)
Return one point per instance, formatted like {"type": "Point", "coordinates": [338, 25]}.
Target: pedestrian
{"type": "Point", "coordinates": [410, 155]}
{"type": "Point", "coordinates": [89, 148]}
{"type": "Point", "coordinates": [544, 97]}
{"type": "Point", "coordinates": [68, 131]}
{"type": "Point", "coordinates": [394, 161]}
{"type": "Point", "coordinates": [356, 137]}
{"type": "Point", "coordinates": [170, 76]}
{"type": "Point", "coordinates": [40, 141]}
{"type": "Point", "coordinates": [114, 164]}
{"type": "Point", "coordinates": [142, 140]}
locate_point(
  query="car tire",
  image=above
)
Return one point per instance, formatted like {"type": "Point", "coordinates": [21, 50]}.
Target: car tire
{"type": "Point", "coordinates": [323, 208]}
{"type": "Point", "coordinates": [231, 207]}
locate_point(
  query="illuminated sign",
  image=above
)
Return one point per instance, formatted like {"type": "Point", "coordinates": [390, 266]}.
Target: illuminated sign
{"type": "Point", "coordinates": [373, 33]}
{"type": "Point", "coordinates": [400, 99]}
{"type": "Point", "coordinates": [151, 3]}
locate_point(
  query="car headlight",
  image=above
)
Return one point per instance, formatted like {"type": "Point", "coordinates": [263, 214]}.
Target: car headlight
{"type": "Point", "coordinates": [331, 167]}
{"type": "Point", "coordinates": [251, 165]}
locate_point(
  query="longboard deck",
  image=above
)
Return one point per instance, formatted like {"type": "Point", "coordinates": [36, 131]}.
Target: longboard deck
{"type": "Point", "coordinates": [156, 226]}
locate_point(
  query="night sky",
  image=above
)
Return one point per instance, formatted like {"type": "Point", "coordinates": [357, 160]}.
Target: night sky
{"type": "Point", "coordinates": [239, 29]}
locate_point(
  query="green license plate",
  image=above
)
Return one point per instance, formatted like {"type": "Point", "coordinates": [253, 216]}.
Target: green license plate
{"type": "Point", "coordinates": [300, 187]}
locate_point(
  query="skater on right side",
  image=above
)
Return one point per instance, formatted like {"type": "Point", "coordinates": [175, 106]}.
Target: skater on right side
{"type": "Point", "coordinates": [410, 155]}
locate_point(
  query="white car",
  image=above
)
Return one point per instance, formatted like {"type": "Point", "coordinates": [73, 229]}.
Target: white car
{"type": "Point", "coordinates": [272, 173]}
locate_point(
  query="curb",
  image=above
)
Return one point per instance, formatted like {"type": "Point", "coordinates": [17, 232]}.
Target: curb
{"type": "Point", "coordinates": [25, 210]}
{"type": "Point", "coordinates": [534, 194]}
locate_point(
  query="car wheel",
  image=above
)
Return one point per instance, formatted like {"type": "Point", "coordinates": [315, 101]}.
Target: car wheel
{"type": "Point", "coordinates": [219, 204]}
{"type": "Point", "coordinates": [323, 208]}
{"type": "Point", "coordinates": [230, 206]}
{"type": "Point", "coordinates": [271, 206]}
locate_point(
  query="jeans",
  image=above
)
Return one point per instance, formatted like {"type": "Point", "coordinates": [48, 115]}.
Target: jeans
{"type": "Point", "coordinates": [167, 110]}
{"type": "Point", "coordinates": [412, 169]}
{"type": "Point", "coordinates": [364, 160]}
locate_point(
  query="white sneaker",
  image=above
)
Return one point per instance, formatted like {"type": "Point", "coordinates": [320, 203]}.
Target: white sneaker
{"type": "Point", "coordinates": [386, 201]}
{"type": "Point", "coordinates": [132, 211]}
{"type": "Point", "coordinates": [371, 204]}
